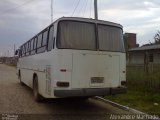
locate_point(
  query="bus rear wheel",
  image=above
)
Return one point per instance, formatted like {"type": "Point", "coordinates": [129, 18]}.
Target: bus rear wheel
{"type": "Point", "coordinates": [37, 96]}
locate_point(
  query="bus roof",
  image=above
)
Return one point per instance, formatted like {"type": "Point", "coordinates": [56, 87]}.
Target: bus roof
{"type": "Point", "coordinates": [89, 20]}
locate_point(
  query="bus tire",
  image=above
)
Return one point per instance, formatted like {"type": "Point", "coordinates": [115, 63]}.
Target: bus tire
{"type": "Point", "coordinates": [19, 77]}
{"type": "Point", "coordinates": [37, 96]}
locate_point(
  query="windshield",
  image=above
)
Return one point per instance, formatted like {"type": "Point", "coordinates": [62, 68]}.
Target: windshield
{"type": "Point", "coordinates": [82, 35]}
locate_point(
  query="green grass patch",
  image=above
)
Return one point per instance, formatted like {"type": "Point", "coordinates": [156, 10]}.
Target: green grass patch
{"type": "Point", "coordinates": [143, 90]}
{"type": "Point", "coordinates": [143, 101]}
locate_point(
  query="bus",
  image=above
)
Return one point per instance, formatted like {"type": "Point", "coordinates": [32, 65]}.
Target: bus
{"type": "Point", "coordinates": [74, 57]}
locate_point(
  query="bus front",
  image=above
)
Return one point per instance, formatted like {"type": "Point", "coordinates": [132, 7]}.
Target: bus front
{"type": "Point", "coordinates": [90, 59]}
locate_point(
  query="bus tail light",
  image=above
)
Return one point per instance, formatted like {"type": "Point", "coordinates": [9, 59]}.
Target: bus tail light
{"type": "Point", "coordinates": [63, 84]}
{"type": "Point", "coordinates": [63, 70]}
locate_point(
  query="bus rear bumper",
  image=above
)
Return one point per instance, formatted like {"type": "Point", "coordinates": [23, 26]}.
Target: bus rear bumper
{"type": "Point", "coordinates": [89, 92]}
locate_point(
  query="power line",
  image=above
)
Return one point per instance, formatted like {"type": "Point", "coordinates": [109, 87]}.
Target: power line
{"type": "Point", "coordinates": [51, 11]}
{"type": "Point", "coordinates": [83, 5]}
{"type": "Point", "coordinates": [75, 8]}
{"type": "Point", "coordinates": [85, 8]}
{"type": "Point", "coordinates": [19, 6]}
{"type": "Point", "coordinates": [91, 8]}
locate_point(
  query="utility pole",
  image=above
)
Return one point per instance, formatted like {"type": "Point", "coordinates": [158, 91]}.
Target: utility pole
{"type": "Point", "coordinates": [14, 49]}
{"type": "Point", "coordinates": [96, 9]}
{"type": "Point", "coordinates": [51, 11]}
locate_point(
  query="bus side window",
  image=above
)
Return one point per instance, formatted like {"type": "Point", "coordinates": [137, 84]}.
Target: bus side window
{"type": "Point", "coordinates": [35, 44]}
{"type": "Point", "coordinates": [28, 48]}
{"type": "Point", "coordinates": [50, 39]}
{"type": "Point", "coordinates": [25, 49]}
{"type": "Point", "coordinates": [39, 43]}
{"type": "Point", "coordinates": [44, 41]}
{"type": "Point", "coordinates": [33, 51]}
{"type": "Point", "coordinates": [32, 45]}
{"type": "Point", "coordinates": [22, 50]}
{"type": "Point", "coordinates": [45, 37]}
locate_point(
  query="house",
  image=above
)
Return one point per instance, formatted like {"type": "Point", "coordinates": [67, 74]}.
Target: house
{"type": "Point", "coordinates": [144, 55]}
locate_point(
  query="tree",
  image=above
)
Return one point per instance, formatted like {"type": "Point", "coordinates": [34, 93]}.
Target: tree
{"type": "Point", "coordinates": [157, 37]}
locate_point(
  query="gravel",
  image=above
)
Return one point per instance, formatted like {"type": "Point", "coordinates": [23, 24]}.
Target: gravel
{"type": "Point", "coordinates": [18, 99]}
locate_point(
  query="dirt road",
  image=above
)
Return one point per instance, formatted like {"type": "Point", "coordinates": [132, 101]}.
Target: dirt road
{"type": "Point", "coordinates": [17, 99]}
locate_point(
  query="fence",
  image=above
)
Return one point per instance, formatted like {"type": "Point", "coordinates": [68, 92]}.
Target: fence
{"type": "Point", "coordinates": [144, 77]}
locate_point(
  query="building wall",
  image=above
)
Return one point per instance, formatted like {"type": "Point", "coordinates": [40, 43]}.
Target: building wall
{"type": "Point", "coordinates": [136, 58]}
{"type": "Point", "coordinates": [156, 58]}
{"type": "Point", "coordinates": [130, 41]}
{"type": "Point", "coordinates": [141, 57]}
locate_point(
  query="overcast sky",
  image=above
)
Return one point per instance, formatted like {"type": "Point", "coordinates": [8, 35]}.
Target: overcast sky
{"type": "Point", "coordinates": [21, 19]}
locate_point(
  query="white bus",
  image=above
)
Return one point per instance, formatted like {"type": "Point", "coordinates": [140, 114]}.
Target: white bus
{"type": "Point", "coordinates": [74, 57]}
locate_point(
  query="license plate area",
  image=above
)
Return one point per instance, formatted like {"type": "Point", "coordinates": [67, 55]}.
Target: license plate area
{"type": "Point", "coordinates": [97, 80]}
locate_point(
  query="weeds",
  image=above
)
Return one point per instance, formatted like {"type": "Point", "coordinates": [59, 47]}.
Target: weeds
{"type": "Point", "coordinates": [143, 90]}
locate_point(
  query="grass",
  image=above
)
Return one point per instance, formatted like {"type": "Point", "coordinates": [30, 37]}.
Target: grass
{"type": "Point", "coordinates": [143, 91]}
{"type": "Point", "coordinates": [145, 102]}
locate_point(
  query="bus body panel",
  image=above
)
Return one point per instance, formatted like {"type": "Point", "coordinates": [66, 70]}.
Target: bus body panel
{"type": "Point", "coordinates": [42, 66]}
{"type": "Point", "coordinates": [88, 66]}
{"type": "Point", "coordinates": [63, 61]}
{"type": "Point", "coordinates": [82, 65]}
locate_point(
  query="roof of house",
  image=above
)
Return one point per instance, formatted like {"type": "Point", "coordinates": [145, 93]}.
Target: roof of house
{"type": "Point", "coordinates": [150, 47]}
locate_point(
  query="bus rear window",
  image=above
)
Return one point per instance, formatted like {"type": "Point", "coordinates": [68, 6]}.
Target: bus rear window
{"type": "Point", "coordinates": [110, 38]}
{"type": "Point", "coordinates": [76, 35]}
{"type": "Point", "coordinates": [82, 35]}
